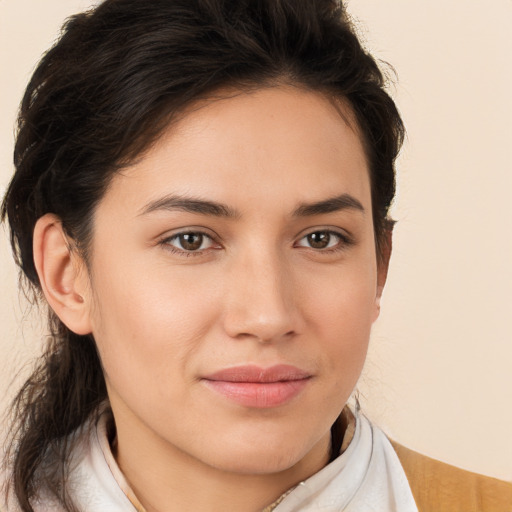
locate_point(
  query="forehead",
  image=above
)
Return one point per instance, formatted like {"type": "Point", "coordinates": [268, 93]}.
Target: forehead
{"type": "Point", "coordinates": [278, 146]}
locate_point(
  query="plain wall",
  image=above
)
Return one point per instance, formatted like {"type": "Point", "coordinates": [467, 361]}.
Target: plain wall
{"type": "Point", "coordinates": [439, 374]}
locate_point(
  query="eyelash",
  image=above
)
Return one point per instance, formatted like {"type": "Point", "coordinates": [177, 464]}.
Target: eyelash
{"type": "Point", "coordinates": [344, 241]}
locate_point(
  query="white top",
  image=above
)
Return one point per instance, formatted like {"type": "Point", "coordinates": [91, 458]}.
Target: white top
{"type": "Point", "coordinates": [366, 477]}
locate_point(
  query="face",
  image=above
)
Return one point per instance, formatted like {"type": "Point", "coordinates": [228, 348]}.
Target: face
{"type": "Point", "coordinates": [234, 281]}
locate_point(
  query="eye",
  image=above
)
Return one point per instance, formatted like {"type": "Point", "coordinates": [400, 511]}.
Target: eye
{"type": "Point", "coordinates": [190, 241]}
{"type": "Point", "coordinates": [322, 240]}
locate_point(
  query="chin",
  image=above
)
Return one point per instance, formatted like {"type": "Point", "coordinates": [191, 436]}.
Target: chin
{"type": "Point", "coordinates": [264, 464]}
{"type": "Point", "coordinates": [264, 456]}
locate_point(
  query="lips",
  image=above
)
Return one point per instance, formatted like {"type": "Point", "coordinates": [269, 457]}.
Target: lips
{"type": "Point", "coordinates": [252, 386]}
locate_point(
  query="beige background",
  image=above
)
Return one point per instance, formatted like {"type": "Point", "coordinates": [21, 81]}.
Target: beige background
{"type": "Point", "coordinates": [439, 376]}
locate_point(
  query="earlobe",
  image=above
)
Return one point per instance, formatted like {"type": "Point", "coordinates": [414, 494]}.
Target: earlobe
{"type": "Point", "coordinates": [61, 274]}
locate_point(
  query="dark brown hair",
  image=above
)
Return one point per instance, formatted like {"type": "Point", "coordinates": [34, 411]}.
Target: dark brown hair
{"type": "Point", "coordinates": [100, 97]}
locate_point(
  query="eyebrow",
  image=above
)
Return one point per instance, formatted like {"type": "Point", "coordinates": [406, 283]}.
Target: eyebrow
{"type": "Point", "coordinates": [333, 204]}
{"type": "Point", "coordinates": [192, 205]}
{"type": "Point", "coordinates": [215, 209]}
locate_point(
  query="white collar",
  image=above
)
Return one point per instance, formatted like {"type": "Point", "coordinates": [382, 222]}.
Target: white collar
{"type": "Point", "coordinates": [366, 477]}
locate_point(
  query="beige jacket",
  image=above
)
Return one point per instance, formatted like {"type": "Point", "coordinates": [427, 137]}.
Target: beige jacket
{"type": "Point", "coordinates": [439, 487]}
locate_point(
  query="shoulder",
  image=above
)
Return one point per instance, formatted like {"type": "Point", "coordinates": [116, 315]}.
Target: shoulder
{"type": "Point", "coordinates": [439, 487]}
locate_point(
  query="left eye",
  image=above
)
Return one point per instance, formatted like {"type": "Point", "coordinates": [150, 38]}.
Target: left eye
{"type": "Point", "coordinates": [190, 242]}
{"type": "Point", "coordinates": [320, 240]}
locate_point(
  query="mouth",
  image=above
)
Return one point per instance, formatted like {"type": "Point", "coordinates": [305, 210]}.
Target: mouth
{"type": "Point", "coordinates": [252, 386]}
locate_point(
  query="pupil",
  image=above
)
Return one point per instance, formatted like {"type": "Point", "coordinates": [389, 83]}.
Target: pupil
{"type": "Point", "coordinates": [319, 240]}
{"type": "Point", "coordinates": [191, 241]}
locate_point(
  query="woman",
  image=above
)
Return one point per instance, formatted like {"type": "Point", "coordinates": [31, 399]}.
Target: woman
{"type": "Point", "coordinates": [201, 195]}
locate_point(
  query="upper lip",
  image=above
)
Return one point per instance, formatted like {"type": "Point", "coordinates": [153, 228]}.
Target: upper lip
{"type": "Point", "coordinates": [256, 374]}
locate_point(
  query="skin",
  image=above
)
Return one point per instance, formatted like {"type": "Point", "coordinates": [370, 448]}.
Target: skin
{"type": "Point", "coordinates": [255, 292]}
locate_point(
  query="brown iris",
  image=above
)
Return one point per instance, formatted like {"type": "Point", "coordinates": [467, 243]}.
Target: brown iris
{"type": "Point", "coordinates": [319, 239]}
{"type": "Point", "coordinates": [191, 241]}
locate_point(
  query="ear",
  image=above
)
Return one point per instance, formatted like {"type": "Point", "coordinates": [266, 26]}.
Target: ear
{"type": "Point", "coordinates": [383, 265]}
{"type": "Point", "coordinates": [62, 274]}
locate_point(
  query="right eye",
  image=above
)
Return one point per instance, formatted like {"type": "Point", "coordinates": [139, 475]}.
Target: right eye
{"type": "Point", "coordinates": [189, 242]}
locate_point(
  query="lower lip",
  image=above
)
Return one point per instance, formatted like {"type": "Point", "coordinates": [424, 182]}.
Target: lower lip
{"type": "Point", "coordinates": [258, 394]}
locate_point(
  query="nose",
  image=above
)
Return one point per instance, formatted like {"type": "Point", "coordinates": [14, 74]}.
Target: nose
{"type": "Point", "coordinates": [259, 301]}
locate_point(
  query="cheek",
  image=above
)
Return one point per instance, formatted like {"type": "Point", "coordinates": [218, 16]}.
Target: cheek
{"type": "Point", "coordinates": [341, 305]}
{"type": "Point", "coordinates": [148, 324]}
{"type": "Point", "coordinates": [344, 295]}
